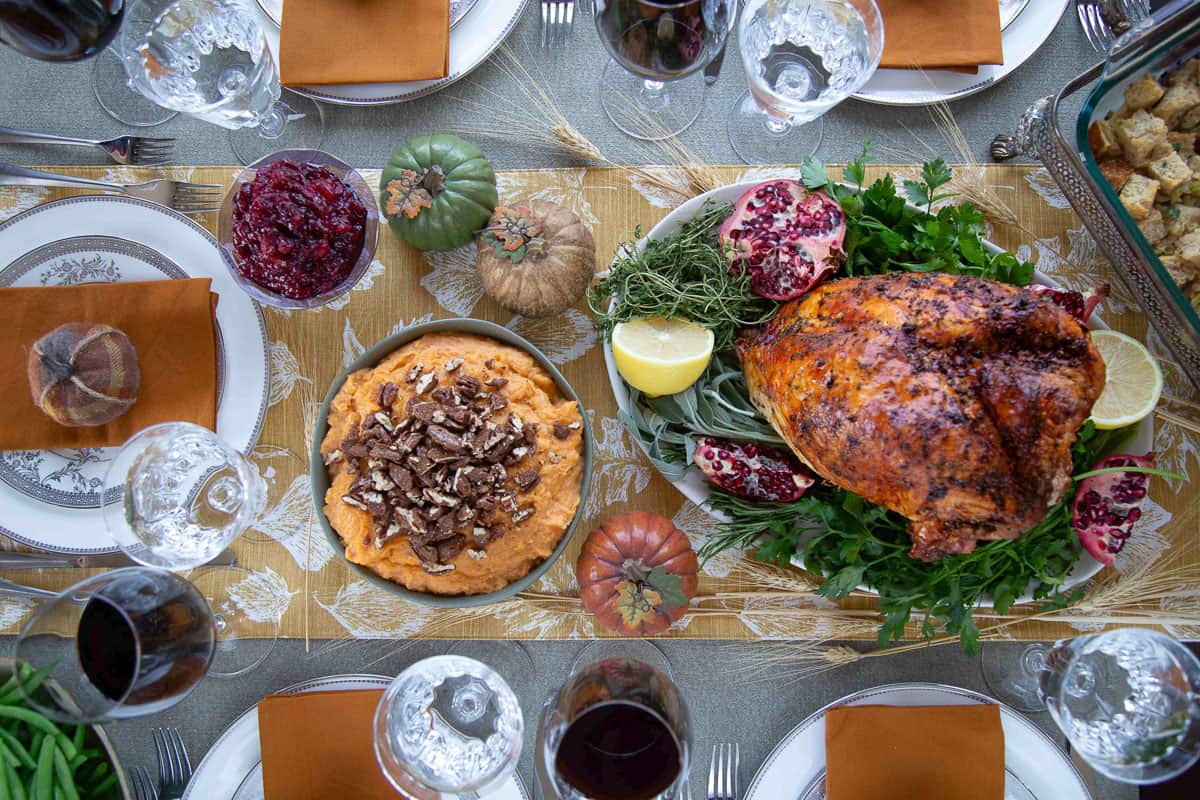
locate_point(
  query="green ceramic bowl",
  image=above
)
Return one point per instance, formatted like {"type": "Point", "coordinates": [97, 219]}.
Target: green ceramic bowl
{"type": "Point", "coordinates": [320, 478]}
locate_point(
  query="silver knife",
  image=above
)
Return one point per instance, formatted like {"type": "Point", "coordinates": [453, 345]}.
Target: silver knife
{"type": "Point", "coordinates": [14, 560]}
{"type": "Point", "coordinates": [713, 68]}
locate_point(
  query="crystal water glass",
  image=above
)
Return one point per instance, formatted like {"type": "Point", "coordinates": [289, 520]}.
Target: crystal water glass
{"type": "Point", "coordinates": [802, 57]}
{"type": "Point", "coordinates": [126, 643]}
{"type": "Point", "coordinates": [1128, 700]}
{"type": "Point", "coordinates": [180, 495]}
{"type": "Point", "coordinates": [209, 59]}
{"type": "Point", "coordinates": [652, 88]}
{"type": "Point", "coordinates": [448, 727]}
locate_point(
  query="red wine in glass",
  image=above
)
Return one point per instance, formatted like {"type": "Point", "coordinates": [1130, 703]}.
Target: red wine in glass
{"type": "Point", "coordinates": [59, 30]}
{"type": "Point", "coordinates": [618, 751]}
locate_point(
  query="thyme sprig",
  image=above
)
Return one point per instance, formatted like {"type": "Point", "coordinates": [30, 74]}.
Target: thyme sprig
{"type": "Point", "coordinates": [685, 275]}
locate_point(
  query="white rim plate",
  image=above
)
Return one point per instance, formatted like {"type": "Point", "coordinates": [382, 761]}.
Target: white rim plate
{"type": "Point", "coordinates": [152, 230]}
{"type": "Point", "coordinates": [471, 42]}
{"type": "Point", "coordinates": [237, 751]}
{"type": "Point", "coordinates": [458, 9]}
{"type": "Point", "coordinates": [693, 485]}
{"type": "Point", "coordinates": [1029, 754]}
{"type": "Point", "coordinates": [1028, 30]}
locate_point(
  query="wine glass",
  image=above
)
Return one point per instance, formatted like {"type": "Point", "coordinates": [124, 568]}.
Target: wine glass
{"type": "Point", "coordinates": [178, 496]}
{"type": "Point", "coordinates": [1128, 700]}
{"type": "Point", "coordinates": [617, 730]}
{"type": "Point", "coordinates": [209, 59]}
{"type": "Point", "coordinates": [652, 89]}
{"type": "Point", "coordinates": [247, 608]}
{"type": "Point", "coordinates": [126, 643]}
{"type": "Point", "coordinates": [54, 30]}
{"type": "Point", "coordinates": [802, 57]}
{"type": "Point", "coordinates": [447, 727]}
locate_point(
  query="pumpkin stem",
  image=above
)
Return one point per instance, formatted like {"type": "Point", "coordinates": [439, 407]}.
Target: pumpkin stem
{"type": "Point", "coordinates": [514, 234]}
{"type": "Point", "coordinates": [434, 180]}
{"type": "Point", "coordinates": [636, 570]}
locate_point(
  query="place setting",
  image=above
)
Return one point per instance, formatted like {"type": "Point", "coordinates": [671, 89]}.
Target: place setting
{"type": "Point", "coordinates": [308, 459]}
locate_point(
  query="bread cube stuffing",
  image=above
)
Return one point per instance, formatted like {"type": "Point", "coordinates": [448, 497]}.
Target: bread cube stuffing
{"type": "Point", "coordinates": [1140, 136]}
{"type": "Point", "coordinates": [1104, 144]}
{"type": "Point", "coordinates": [1171, 172]}
{"type": "Point", "coordinates": [1183, 143]}
{"type": "Point", "coordinates": [1181, 273]}
{"type": "Point", "coordinates": [1181, 220]}
{"type": "Point", "coordinates": [1116, 172]}
{"type": "Point", "coordinates": [1179, 100]}
{"type": "Point", "coordinates": [1188, 250]}
{"type": "Point", "coordinates": [1143, 93]}
{"type": "Point", "coordinates": [1138, 195]}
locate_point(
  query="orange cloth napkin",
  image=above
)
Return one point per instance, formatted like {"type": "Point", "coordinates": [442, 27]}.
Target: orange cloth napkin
{"type": "Point", "coordinates": [171, 326]}
{"type": "Point", "coordinates": [930, 752]}
{"type": "Point", "coordinates": [364, 41]}
{"type": "Point", "coordinates": [320, 746]}
{"type": "Point", "coordinates": [940, 34]}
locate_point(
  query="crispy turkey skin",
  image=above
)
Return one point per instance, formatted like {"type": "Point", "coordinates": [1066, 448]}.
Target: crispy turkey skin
{"type": "Point", "coordinates": [949, 399]}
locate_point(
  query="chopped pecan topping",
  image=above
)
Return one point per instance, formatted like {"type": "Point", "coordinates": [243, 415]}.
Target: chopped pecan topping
{"type": "Point", "coordinates": [387, 395]}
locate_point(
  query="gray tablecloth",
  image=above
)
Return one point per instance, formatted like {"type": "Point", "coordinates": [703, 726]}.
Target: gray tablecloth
{"type": "Point", "coordinates": [58, 98]}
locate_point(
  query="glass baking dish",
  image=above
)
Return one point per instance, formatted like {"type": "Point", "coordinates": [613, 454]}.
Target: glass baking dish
{"type": "Point", "coordinates": [1157, 45]}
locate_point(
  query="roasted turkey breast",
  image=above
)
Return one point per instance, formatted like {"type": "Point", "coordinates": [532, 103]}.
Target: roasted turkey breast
{"type": "Point", "coordinates": [952, 400]}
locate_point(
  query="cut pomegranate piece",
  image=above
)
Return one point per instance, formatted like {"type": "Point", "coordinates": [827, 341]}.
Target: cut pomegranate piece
{"type": "Point", "coordinates": [753, 471]}
{"type": "Point", "coordinates": [1106, 506]}
{"type": "Point", "coordinates": [1078, 304]}
{"type": "Point", "coordinates": [785, 237]}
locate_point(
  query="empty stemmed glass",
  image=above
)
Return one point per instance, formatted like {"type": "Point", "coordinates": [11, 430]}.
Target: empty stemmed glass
{"type": "Point", "coordinates": [448, 727]}
{"type": "Point", "coordinates": [802, 57]}
{"type": "Point", "coordinates": [125, 643]}
{"type": "Point", "coordinates": [209, 59]}
{"type": "Point", "coordinates": [1128, 700]}
{"type": "Point", "coordinates": [652, 89]}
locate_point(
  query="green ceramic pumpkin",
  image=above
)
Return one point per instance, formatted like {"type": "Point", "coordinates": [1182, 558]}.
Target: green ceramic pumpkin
{"type": "Point", "coordinates": [437, 191]}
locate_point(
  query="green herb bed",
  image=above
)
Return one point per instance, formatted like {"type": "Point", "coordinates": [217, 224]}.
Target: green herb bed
{"type": "Point", "coordinates": [836, 533]}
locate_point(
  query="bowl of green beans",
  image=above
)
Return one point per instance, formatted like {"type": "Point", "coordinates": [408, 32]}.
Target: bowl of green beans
{"type": "Point", "coordinates": [45, 760]}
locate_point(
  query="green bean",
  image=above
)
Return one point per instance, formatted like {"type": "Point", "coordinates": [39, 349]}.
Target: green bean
{"type": "Point", "coordinates": [104, 786]}
{"type": "Point", "coordinates": [43, 778]}
{"type": "Point", "coordinates": [18, 749]}
{"type": "Point", "coordinates": [30, 682]}
{"type": "Point", "coordinates": [66, 745]}
{"type": "Point", "coordinates": [8, 686]}
{"type": "Point", "coordinates": [59, 794]}
{"type": "Point", "coordinates": [66, 781]}
{"type": "Point", "coordinates": [77, 739]}
{"type": "Point", "coordinates": [8, 755]}
{"type": "Point", "coordinates": [14, 783]}
{"type": "Point", "coordinates": [5, 791]}
{"type": "Point", "coordinates": [31, 718]}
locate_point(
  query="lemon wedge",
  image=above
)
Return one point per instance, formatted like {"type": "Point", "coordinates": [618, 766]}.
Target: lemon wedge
{"type": "Point", "coordinates": [1134, 381]}
{"type": "Point", "coordinates": [661, 356]}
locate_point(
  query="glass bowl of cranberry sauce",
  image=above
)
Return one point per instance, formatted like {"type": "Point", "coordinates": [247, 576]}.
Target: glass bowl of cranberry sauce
{"type": "Point", "coordinates": [298, 228]}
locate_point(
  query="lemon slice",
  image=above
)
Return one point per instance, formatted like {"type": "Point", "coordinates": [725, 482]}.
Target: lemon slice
{"type": "Point", "coordinates": [661, 356]}
{"type": "Point", "coordinates": [1134, 381]}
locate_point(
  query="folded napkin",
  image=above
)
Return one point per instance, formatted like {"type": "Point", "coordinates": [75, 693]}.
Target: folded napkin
{"type": "Point", "coordinates": [364, 41]}
{"type": "Point", "coordinates": [171, 326]}
{"type": "Point", "coordinates": [930, 752]}
{"type": "Point", "coordinates": [940, 34]}
{"type": "Point", "coordinates": [320, 746]}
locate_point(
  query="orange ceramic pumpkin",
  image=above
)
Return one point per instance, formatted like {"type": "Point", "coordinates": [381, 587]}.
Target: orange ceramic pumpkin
{"type": "Point", "coordinates": [636, 573]}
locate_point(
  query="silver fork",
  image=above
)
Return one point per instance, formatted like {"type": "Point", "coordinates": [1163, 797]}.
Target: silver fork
{"type": "Point", "coordinates": [186, 198]}
{"type": "Point", "coordinates": [1104, 20]}
{"type": "Point", "coordinates": [723, 772]}
{"type": "Point", "coordinates": [174, 766]}
{"type": "Point", "coordinates": [136, 150]}
{"type": "Point", "coordinates": [558, 18]}
{"type": "Point", "coordinates": [143, 787]}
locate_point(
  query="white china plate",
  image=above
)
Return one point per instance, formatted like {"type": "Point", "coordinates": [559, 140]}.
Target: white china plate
{"type": "Point", "coordinates": [471, 42]}
{"type": "Point", "coordinates": [1031, 757]}
{"type": "Point", "coordinates": [695, 487]}
{"type": "Point", "coordinates": [458, 9]}
{"type": "Point", "coordinates": [1027, 31]}
{"type": "Point", "coordinates": [237, 752]}
{"type": "Point", "coordinates": [49, 499]}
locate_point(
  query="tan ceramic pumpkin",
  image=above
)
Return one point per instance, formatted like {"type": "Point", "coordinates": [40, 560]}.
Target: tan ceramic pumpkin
{"type": "Point", "coordinates": [536, 258]}
{"type": "Point", "coordinates": [82, 374]}
{"type": "Point", "coordinates": [637, 573]}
